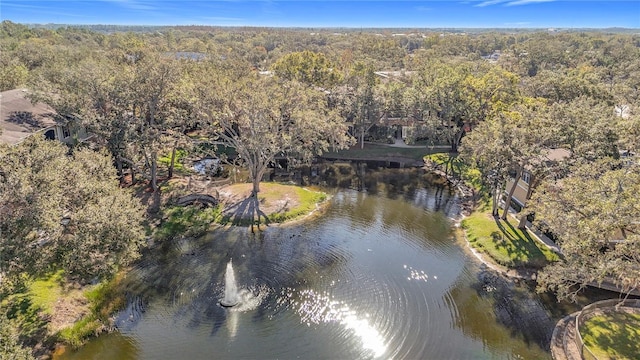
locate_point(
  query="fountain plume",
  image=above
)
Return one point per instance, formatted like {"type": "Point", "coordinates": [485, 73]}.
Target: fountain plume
{"type": "Point", "coordinates": [231, 296]}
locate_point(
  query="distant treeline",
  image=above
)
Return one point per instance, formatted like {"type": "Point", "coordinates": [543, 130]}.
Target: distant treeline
{"type": "Point", "coordinates": [106, 28]}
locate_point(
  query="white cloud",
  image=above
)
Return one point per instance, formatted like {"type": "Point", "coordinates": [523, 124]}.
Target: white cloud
{"type": "Point", "coordinates": [489, 2]}
{"type": "Point", "coordinates": [484, 3]}
{"type": "Point", "coordinates": [526, 2]}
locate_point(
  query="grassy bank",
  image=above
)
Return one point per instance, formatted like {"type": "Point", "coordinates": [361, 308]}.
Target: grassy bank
{"type": "Point", "coordinates": [49, 309]}
{"type": "Point", "coordinates": [613, 336]}
{"type": "Point", "coordinates": [302, 201]}
{"type": "Point", "coordinates": [503, 242]}
{"type": "Point", "coordinates": [381, 152]}
{"type": "Point", "coordinates": [279, 202]}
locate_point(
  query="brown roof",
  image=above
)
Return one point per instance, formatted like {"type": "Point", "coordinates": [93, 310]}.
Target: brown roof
{"type": "Point", "coordinates": [558, 154]}
{"type": "Point", "coordinates": [19, 118]}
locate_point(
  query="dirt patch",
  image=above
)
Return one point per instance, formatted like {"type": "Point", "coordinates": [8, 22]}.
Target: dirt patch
{"type": "Point", "coordinates": [273, 198]}
{"type": "Point", "coordinates": [71, 307]}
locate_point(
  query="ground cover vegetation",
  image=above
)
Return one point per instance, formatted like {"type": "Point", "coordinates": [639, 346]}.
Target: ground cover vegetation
{"type": "Point", "coordinates": [505, 243]}
{"type": "Point", "coordinates": [613, 335]}
{"type": "Point", "coordinates": [257, 98]}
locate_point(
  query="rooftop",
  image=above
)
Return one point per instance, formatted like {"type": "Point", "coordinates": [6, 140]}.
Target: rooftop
{"type": "Point", "coordinates": [20, 118]}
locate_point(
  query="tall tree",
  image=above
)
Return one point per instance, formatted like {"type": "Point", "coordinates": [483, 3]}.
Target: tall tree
{"type": "Point", "coordinates": [363, 103]}
{"type": "Point", "coordinates": [155, 80]}
{"type": "Point", "coordinates": [531, 138]}
{"type": "Point", "coordinates": [488, 148]}
{"type": "Point", "coordinates": [446, 98]}
{"type": "Point", "coordinates": [60, 211]}
{"type": "Point", "coordinates": [266, 117]}
{"type": "Point", "coordinates": [594, 213]}
{"type": "Point", "coordinates": [586, 127]}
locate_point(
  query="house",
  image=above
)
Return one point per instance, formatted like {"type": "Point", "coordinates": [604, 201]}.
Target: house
{"type": "Point", "coordinates": [495, 56]}
{"type": "Point", "coordinates": [527, 181]}
{"type": "Point", "coordinates": [20, 118]}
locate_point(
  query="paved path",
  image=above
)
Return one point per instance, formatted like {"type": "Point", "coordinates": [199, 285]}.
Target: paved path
{"type": "Point", "coordinates": [401, 144]}
{"type": "Point", "coordinates": [563, 340]}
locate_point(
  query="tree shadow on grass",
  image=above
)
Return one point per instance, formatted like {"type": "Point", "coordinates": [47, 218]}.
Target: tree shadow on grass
{"type": "Point", "coordinates": [519, 245]}
{"type": "Point", "coordinates": [29, 317]}
{"type": "Point", "coordinates": [615, 334]}
{"type": "Point", "coordinates": [245, 213]}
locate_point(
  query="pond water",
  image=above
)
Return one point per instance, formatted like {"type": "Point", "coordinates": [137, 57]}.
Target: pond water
{"type": "Point", "coordinates": [378, 275]}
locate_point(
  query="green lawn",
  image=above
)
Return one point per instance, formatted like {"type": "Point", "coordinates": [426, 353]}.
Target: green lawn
{"type": "Point", "coordinates": [32, 308]}
{"type": "Point", "coordinates": [504, 242]}
{"type": "Point", "coordinates": [301, 202]}
{"type": "Point", "coordinates": [381, 152]}
{"type": "Point", "coordinates": [613, 336]}
{"type": "Point", "coordinates": [307, 200]}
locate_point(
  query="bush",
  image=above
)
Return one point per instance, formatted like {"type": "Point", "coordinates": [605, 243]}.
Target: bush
{"type": "Point", "coordinates": [187, 220]}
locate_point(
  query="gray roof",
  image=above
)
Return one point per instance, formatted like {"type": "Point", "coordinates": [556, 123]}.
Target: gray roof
{"type": "Point", "coordinates": [19, 118]}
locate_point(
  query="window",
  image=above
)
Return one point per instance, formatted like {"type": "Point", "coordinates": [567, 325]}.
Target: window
{"type": "Point", "coordinates": [65, 132]}
{"type": "Point", "coordinates": [526, 177]}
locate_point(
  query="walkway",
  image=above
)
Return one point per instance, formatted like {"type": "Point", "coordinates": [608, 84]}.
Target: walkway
{"type": "Point", "coordinates": [401, 144]}
{"type": "Point", "coordinates": [563, 340]}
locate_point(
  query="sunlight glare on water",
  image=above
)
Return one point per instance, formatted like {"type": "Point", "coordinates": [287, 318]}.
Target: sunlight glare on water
{"type": "Point", "coordinates": [322, 308]}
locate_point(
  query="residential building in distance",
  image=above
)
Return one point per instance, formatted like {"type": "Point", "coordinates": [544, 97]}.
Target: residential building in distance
{"type": "Point", "coordinates": [20, 118]}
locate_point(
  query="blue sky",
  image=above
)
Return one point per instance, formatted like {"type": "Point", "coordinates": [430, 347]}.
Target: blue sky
{"type": "Point", "coordinates": [315, 13]}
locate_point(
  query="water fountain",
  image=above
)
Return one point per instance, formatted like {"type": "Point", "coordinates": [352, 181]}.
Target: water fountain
{"type": "Point", "coordinates": [231, 296]}
{"type": "Point", "coordinates": [374, 277]}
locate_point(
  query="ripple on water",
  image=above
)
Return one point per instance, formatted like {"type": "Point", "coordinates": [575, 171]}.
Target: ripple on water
{"type": "Point", "coordinates": [371, 278]}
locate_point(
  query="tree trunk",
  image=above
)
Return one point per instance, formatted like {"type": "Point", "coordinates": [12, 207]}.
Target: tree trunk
{"type": "Point", "coordinates": [154, 171]}
{"type": "Point", "coordinates": [134, 180]}
{"type": "Point", "coordinates": [523, 221]}
{"type": "Point", "coordinates": [173, 159]}
{"type": "Point", "coordinates": [256, 186]}
{"type": "Point", "coordinates": [119, 169]}
{"type": "Point", "coordinates": [456, 141]}
{"type": "Point", "coordinates": [507, 202]}
{"type": "Point", "coordinates": [496, 200]}
{"type": "Point", "coordinates": [256, 177]}
{"type": "Point", "coordinates": [132, 167]}
{"type": "Point", "coordinates": [362, 138]}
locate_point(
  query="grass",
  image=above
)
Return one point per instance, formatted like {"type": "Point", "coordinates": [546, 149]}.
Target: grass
{"type": "Point", "coordinates": [105, 299]}
{"type": "Point", "coordinates": [379, 152]}
{"type": "Point", "coordinates": [279, 202]}
{"type": "Point", "coordinates": [31, 309]}
{"type": "Point", "coordinates": [307, 200]}
{"type": "Point", "coordinates": [44, 292]}
{"type": "Point", "coordinates": [31, 306]}
{"type": "Point", "coordinates": [178, 166]}
{"type": "Point", "coordinates": [613, 336]}
{"type": "Point", "coordinates": [504, 242]}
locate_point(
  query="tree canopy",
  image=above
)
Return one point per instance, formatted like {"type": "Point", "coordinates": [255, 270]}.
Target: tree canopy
{"type": "Point", "coordinates": [61, 211]}
{"type": "Point", "coordinates": [594, 213]}
{"type": "Point", "coordinates": [264, 118]}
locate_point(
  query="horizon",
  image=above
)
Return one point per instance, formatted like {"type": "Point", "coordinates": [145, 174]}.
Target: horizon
{"type": "Point", "coordinates": [471, 14]}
